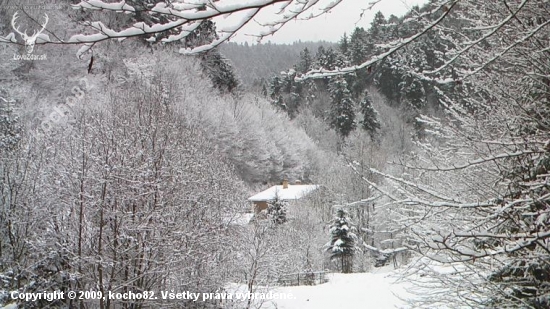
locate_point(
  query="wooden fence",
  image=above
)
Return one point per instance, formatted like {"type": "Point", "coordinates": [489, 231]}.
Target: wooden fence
{"type": "Point", "coordinates": [305, 278]}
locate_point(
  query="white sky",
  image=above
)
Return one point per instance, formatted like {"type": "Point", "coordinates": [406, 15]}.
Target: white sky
{"type": "Point", "coordinates": [329, 27]}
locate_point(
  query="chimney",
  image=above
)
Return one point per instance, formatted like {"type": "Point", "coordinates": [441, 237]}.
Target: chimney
{"type": "Point", "coordinates": [285, 183]}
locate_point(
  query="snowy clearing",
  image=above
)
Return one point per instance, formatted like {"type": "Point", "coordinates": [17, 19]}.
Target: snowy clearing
{"type": "Point", "coordinates": [359, 290]}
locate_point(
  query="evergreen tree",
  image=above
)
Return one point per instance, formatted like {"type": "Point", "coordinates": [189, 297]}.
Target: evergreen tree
{"type": "Point", "coordinates": [288, 80]}
{"type": "Point", "coordinates": [370, 121]}
{"type": "Point", "coordinates": [358, 54]}
{"type": "Point", "coordinates": [275, 87]}
{"type": "Point", "coordinates": [214, 64]}
{"type": "Point", "coordinates": [344, 45]}
{"type": "Point", "coordinates": [388, 78]}
{"type": "Point", "coordinates": [392, 31]}
{"type": "Point", "coordinates": [295, 96]}
{"type": "Point", "coordinates": [286, 93]}
{"type": "Point", "coordinates": [276, 211]}
{"type": "Point", "coordinates": [377, 30]}
{"type": "Point", "coordinates": [343, 243]}
{"type": "Point", "coordinates": [342, 114]}
{"type": "Point", "coordinates": [143, 14]}
{"type": "Point", "coordinates": [413, 90]}
{"type": "Point", "coordinates": [357, 46]}
{"type": "Point", "coordinates": [329, 59]}
{"type": "Point", "coordinates": [376, 33]}
{"type": "Point", "coordinates": [205, 33]}
{"type": "Point", "coordinates": [220, 72]}
{"type": "Point", "coordinates": [276, 93]}
{"type": "Point", "coordinates": [306, 61]}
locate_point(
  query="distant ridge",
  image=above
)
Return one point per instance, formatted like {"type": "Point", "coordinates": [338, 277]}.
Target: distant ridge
{"type": "Point", "coordinates": [256, 61]}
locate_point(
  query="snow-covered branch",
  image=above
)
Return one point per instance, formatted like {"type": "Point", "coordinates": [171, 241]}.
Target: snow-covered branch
{"type": "Point", "coordinates": [181, 18]}
{"type": "Point", "coordinates": [475, 162]}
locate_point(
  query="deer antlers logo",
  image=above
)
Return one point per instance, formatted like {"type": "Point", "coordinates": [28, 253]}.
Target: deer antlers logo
{"type": "Point", "coordinates": [29, 40]}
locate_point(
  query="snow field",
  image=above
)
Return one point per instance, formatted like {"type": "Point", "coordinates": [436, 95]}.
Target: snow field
{"type": "Point", "coordinates": [374, 290]}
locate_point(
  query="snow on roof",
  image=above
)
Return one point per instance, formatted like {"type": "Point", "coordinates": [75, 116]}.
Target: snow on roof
{"type": "Point", "coordinates": [293, 192]}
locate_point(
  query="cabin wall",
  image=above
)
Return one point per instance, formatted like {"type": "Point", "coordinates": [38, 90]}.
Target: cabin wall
{"type": "Point", "coordinates": [259, 206]}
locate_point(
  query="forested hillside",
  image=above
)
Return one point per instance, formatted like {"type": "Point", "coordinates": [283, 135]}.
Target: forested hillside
{"type": "Point", "coordinates": [250, 64]}
{"type": "Point", "coordinates": [343, 101]}
{"type": "Point", "coordinates": [129, 144]}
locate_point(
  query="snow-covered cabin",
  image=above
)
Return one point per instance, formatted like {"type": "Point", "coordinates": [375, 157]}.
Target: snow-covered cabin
{"type": "Point", "coordinates": [284, 192]}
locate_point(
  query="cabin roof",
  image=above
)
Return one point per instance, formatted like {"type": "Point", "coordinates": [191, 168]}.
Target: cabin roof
{"type": "Point", "coordinates": [293, 192]}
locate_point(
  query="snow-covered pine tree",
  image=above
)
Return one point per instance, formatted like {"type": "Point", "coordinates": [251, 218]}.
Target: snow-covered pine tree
{"type": "Point", "coordinates": [276, 211]}
{"type": "Point", "coordinates": [286, 93]}
{"type": "Point", "coordinates": [294, 89]}
{"type": "Point", "coordinates": [357, 46]}
{"type": "Point", "coordinates": [221, 72]}
{"type": "Point", "coordinates": [306, 60]}
{"type": "Point", "coordinates": [357, 54]}
{"type": "Point", "coordinates": [343, 244]}
{"type": "Point", "coordinates": [205, 33]}
{"type": "Point", "coordinates": [213, 63]}
{"type": "Point", "coordinates": [388, 78]}
{"type": "Point", "coordinates": [377, 32]}
{"type": "Point", "coordinates": [343, 45]}
{"type": "Point", "coordinates": [342, 114]}
{"type": "Point", "coordinates": [142, 14]}
{"type": "Point", "coordinates": [329, 59]}
{"type": "Point", "coordinates": [276, 93]}
{"type": "Point", "coordinates": [275, 86]}
{"type": "Point", "coordinates": [370, 121]}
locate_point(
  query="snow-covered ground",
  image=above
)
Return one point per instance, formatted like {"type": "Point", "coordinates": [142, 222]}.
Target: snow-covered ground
{"type": "Point", "coordinates": [373, 290]}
